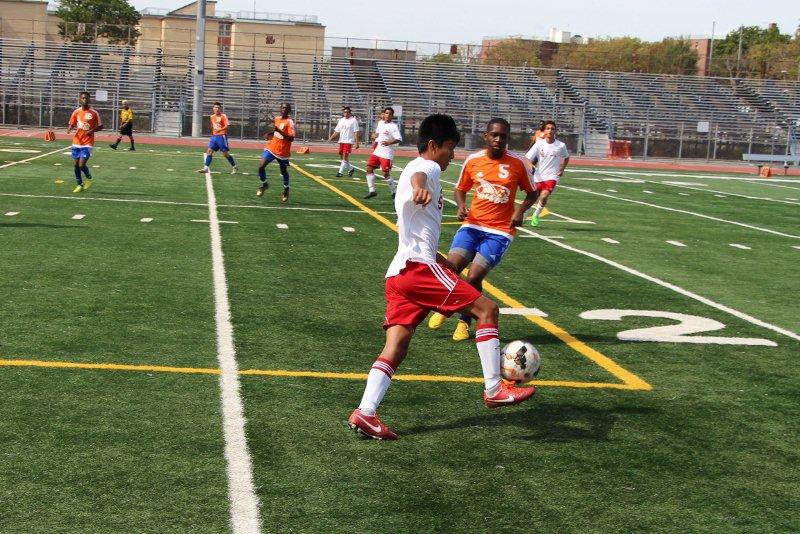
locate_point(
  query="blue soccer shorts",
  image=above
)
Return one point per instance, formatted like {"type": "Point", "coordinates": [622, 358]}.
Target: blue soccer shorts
{"type": "Point", "coordinates": [84, 152]}
{"type": "Point", "coordinates": [479, 246]}
{"type": "Point", "coordinates": [219, 142]}
{"type": "Point", "coordinates": [269, 157]}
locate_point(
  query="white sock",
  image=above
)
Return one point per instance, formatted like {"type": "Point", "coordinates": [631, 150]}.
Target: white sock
{"type": "Point", "coordinates": [538, 210]}
{"type": "Point", "coordinates": [349, 166]}
{"type": "Point", "coordinates": [371, 182]}
{"type": "Point", "coordinates": [343, 167]}
{"type": "Point", "coordinates": [488, 343]}
{"type": "Point", "coordinates": [392, 186]}
{"type": "Point", "coordinates": [378, 381]}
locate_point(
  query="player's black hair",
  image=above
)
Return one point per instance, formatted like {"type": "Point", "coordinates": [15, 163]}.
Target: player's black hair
{"type": "Point", "coordinates": [438, 128]}
{"type": "Point", "coordinates": [347, 108]}
{"type": "Point", "coordinates": [288, 106]}
{"type": "Point", "coordinates": [216, 104]}
{"type": "Point", "coordinates": [549, 122]}
{"type": "Point", "coordinates": [498, 120]}
{"type": "Point", "coordinates": [389, 108]}
{"type": "Point", "coordinates": [84, 93]}
{"type": "Point", "coordinates": [542, 124]}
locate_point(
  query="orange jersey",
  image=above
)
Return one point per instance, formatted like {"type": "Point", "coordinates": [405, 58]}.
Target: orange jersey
{"type": "Point", "coordinates": [279, 145]}
{"type": "Point", "coordinates": [84, 120]}
{"type": "Point", "coordinates": [495, 184]}
{"type": "Point", "coordinates": [219, 124]}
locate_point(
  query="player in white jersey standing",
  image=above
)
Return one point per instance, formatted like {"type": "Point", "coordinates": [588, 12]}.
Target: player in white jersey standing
{"type": "Point", "coordinates": [550, 157]}
{"type": "Point", "coordinates": [348, 133]}
{"type": "Point", "coordinates": [386, 135]}
{"type": "Point", "coordinates": [420, 280]}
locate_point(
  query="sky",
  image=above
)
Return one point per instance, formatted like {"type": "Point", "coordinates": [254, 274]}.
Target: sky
{"type": "Point", "coordinates": [468, 21]}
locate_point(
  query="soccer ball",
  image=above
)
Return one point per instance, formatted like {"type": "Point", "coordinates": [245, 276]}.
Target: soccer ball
{"type": "Point", "coordinates": [520, 362]}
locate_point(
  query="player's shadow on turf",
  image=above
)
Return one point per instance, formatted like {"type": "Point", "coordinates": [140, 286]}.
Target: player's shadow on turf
{"type": "Point", "coordinates": [545, 422]}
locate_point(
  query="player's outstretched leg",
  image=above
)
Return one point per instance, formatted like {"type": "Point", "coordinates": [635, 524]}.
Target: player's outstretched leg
{"type": "Point", "coordinates": [387, 175]}
{"type": "Point", "coordinates": [87, 183]}
{"type": "Point", "coordinates": [487, 340]}
{"type": "Point", "coordinates": [475, 279]}
{"type": "Point", "coordinates": [115, 144]}
{"type": "Point", "coordinates": [133, 143]}
{"type": "Point", "coordinates": [232, 161]}
{"type": "Point", "coordinates": [262, 175]}
{"type": "Point", "coordinates": [206, 162]}
{"type": "Point", "coordinates": [284, 166]}
{"type": "Point", "coordinates": [364, 419]}
{"type": "Point", "coordinates": [78, 178]}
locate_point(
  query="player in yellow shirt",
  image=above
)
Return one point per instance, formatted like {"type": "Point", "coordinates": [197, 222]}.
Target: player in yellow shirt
{"type": "Point", "coordinates": [125, 125]}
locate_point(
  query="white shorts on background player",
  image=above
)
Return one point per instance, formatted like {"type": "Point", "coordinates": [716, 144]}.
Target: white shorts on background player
{"type": "Point", "coordinates": [387, 131]}
{"type": "Point", "coordinates": [347, 129]}
{"type": "Point", "coordinates": [549, 157]}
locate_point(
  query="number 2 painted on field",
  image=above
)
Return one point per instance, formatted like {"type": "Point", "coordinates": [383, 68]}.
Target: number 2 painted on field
{"type": "Point", "coordinates": [674, 333]}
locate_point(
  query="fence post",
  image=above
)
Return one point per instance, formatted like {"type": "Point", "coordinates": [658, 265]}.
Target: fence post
{"type": "Point", "coordinates": [241, 119]}
{"type": "Point", "coordinates": [716, 141]}
{"type": "Point", "coordinates": [680, 142]}
{"type": "Point", "coordinates": [646, 135]}
{"type": "Point", "coordinates": [708, 143]}
{"type": "Point", "coordinates": [40, 112]}
{"type": "Point", "coordinates": [750, 143]}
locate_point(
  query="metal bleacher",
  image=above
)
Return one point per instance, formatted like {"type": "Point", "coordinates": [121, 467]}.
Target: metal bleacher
{"type": "Point", "coordinates": [40, 82]}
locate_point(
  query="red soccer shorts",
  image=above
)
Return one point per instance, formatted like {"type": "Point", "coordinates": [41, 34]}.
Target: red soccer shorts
{"type": "Point", "coordinates": [375, 162]}
{"type": "Point", "coordinates": [547, 185]}
{"type": "Point", "coordinates": [345, 149]}
{"type": "Point", "coordinates": [420, 288]}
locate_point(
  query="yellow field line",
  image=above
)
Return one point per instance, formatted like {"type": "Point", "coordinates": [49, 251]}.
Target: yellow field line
{"type": "Point", "coordinates": [284, 373]}
{"type": "Point", "coordinates": [630, 380]}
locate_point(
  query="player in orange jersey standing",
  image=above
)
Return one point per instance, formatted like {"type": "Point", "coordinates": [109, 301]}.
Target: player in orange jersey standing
{"type": "Point", "coordinates": [278, 148]}
{"type": "Point", "coordinates": [494, 174]}
{"type": "Point", "coordinates": [219, 139]}
{"type": "Point", "coordinates": [86, 122]}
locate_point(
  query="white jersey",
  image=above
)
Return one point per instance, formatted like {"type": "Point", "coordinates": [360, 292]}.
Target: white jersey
{"type": "Point", "coordinates": [549, 157]}
{"type": "Point", "coordinates": [418, 227]}
{"type": "Point", "coordinates": [387, 131]}
{"type": "Point", "coordinates": [347, 129]}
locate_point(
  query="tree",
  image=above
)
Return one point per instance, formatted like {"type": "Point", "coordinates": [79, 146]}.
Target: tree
{"type": "Point", "coordinates": [760, 47]}
{"type": "Point", "coordinates": [672, 56]}
{"type": "Point", "coordinates": [514, 52]}
{"type": "Point", "coordinates": [85, 20]}
{"type": "Point", "coordinates": [629, 54]}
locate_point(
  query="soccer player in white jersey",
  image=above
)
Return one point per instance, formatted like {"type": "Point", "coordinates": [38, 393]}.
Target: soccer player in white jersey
{"type": "Point", "coordinates": [419, 280]}
{"type": "Point", "coordinates": [550, 157]}
{"type": "Point", "coordinates": [348, 133]}
{"type": "Point", "coordinates": [386, 135]}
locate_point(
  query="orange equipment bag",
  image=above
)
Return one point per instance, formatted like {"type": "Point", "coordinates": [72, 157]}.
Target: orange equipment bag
{"type": "Point", "coordinates": [765, 172]}
{"type": "Point", "coordinates": [49, 135]}
{"type": "Point", "coordinates": [304, 150]}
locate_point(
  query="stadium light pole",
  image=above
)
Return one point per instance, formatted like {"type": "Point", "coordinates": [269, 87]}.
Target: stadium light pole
{"type": "Point", "coordinates": [199, 65]}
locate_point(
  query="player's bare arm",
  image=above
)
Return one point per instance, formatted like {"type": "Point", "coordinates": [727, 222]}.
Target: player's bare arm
{"type": "Point", "coordinates": [519, 213]}
{"type": "Point", "coordinates": [333, 136]}
{"type": "Point", "coordinates": [461, 204]}
{"type": "Point", "coordinates": [419, 190]}
{"type": "Point", "coordinates": [358, 140]}
{"type": "Point", "coordinates": [563, 166]}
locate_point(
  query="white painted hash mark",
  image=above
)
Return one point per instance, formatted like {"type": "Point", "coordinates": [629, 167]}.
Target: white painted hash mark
{"type": "Point", "coordinates": [720, 196]}
{"type": "Point", "coordinates": [132, 168]}
{"type": "Point", "coordinates": [241, 493]}
{"type": "Point", "coordinates": [612, 241]}
{"type": "Point", "coordinates": [78, 216]}
{"type": "Point", "coordinates": [676, 243]}
{"type": "Point", "coordinates": [737, 245]}
{"type": "Point", "coordinates": [611, 190]}
{"type": "Point", "coordinates": [796, 246]}
{"type": "Point", "coordinates": [208, 221]}
{"type": "Point", "coordinates": [146, 219]}
{"type": "Point", "coordinates": [684, 194]}
{"type": "Point", "coordinates": [523, 311]}
{"type": "Point", "coordinates": [677, 289]}
{"type": "Point", "coordinates": [348, 229]}
{"type": "Point", "coordinates": [11, 213]}
{"type": "Point", "coordinates": [648, 192]}
{"type": "Point", "coordinates": [282, 226]}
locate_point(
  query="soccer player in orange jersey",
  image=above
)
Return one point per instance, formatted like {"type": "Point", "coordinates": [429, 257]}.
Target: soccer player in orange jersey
{"type": "Point", "coordinates": [219, 139]}
{"type": "Point", "coordinates": [494, 175]}
{"type": "Point", "coordinates": [86, 122]}
{"type": "Point", "coordinates": [538, 134]}
{"type": "Point", "coordinates": [278, 148]}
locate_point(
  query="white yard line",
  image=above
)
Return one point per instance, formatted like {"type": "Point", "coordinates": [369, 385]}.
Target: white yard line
{"type": "Point", "coordinates": [686, 212]}
{"type": "Point", "coordinates": [241, 492]}
{"type": "Point", "coordinates": [609, 240]}
{"type": "Point", "coordinates": [676, 243]}
{"type": "Point", "coordinates": [736, 313]}
{"type": "Point", "coordinates": [750, 179]}
{"type": "Point", "coordinates": [737, 245]}
{"type": "Point", "coordinates": [31, 159]}
{"type": "Point", "coordinates": [198, 204]}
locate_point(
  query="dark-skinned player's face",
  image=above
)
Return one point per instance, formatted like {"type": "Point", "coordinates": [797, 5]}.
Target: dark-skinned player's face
{"type": "Point", "coordinates": [496, 138]}
{"type": "Point", "coordinates": [84, 99]}
{"type": "Point", "coordinates": [285, 110]}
